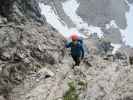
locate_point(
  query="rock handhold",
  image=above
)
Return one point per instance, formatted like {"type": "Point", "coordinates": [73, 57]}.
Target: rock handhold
{"type": "Point", "coordinates": [131, 60]}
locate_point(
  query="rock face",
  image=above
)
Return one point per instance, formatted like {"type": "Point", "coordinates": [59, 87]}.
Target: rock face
{"type": "Point", "coordinates": [26, 42]}
{"type": "Point", "coordinates": [96, 80]}
{"type": "Point", "coordinates": [104, 12]}
{"type": "Point", "coordinates": [35, 66]}
{"type": "Point", "coordinates": [130, 1]}
{"type": "Point", "coordinates": [5, 7]}
{"type": "Point", "coordinates": [25, 48]}
{"type": "Point", "coordinates": [19, 9]}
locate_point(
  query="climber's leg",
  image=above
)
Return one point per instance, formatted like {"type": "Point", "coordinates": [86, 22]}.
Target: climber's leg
{"type": "Point", "coordinates": [76, 60]}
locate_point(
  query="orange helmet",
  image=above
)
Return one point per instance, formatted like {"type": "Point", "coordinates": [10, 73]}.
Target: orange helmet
{"type": "Point", "coordinates": [74, 37]}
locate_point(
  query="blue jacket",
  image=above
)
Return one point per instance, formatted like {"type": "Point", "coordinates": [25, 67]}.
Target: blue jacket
{"type": "Point", "coordinates": [76, 50]}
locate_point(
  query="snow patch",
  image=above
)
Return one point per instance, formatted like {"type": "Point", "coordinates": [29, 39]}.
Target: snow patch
{"type": "Point", "coordinates": [70, 8]}
{"type": "Point", "coordinates": [97, 30]}
{"type": "Point", "coordinates": [56, 22]}
{"type": "Point", "coordinates": [112, 24]}
{"type": "Point", "coordinates": [116, 47]}
{"type": "Point", "coordinates": [127, 34]}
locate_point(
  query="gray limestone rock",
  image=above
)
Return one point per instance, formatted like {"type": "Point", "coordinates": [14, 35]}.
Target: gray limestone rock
{"type": "Point", "coordinates": [34, 65]}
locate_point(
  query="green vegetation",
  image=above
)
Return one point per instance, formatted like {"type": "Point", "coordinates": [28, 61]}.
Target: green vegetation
{"type": "Point", "coordinates": [71, 94]}
{"type": "Point", "coordinates": [83, 84]}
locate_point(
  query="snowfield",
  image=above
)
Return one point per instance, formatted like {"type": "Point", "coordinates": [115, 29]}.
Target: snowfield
{"type": "Point", "coordinates": [70, 7]}
{"type": "Point", "coordinates": [54, 20]}
{"type": "Point", "coordinates": [128, 32]}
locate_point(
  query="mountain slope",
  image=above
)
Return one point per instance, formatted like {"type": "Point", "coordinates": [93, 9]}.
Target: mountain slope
{"type": "Point", "coordinates": [34, 65]}
{"type": "Point", "coordinates": [26, 43]}
{"type": "Point", "coordinates": [102, 80]}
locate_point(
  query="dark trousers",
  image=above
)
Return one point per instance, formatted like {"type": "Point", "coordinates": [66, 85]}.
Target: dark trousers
{"type": "Point", "coordinates": [76, 59]}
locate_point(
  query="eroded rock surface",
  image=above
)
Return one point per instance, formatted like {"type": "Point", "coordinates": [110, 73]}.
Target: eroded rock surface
{"type": "Point", "coordinates": [35, 66]}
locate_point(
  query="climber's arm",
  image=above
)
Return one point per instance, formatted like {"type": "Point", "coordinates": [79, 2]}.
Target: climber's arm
{"type": "Point", "coordinates": [68, 45]}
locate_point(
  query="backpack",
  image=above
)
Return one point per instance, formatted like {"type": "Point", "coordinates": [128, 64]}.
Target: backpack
{"type": "Point", "coordinates": [80, 40]}
{"type": "Point", "coordinates": [86, 50]}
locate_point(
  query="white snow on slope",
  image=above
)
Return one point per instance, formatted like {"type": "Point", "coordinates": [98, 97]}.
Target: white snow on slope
{"type": "Point", "coordinates": [54, 20]}
{"type": "Point", "coordinates": [116, 47]}
{"type": "Point", "coordinates": [70, 7]}
{"type": "Point", "coordinates": [128, 32]}
{"type": "Point", "coordinates": [112, 24]}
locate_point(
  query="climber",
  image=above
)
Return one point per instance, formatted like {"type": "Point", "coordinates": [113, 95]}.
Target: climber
{"type": "Point", "coordinates": [77, 51]}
